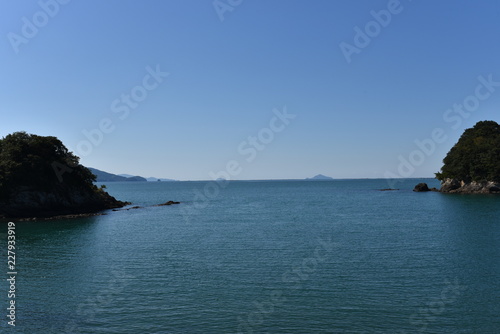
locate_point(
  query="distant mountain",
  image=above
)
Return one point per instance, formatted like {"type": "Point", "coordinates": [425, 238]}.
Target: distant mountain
{"type": "Point", "coordinates": [136, 178]}
{"type": "Point", "coordinates": [126, 175]}
{"type": "Point", "coordinates": [149, 179]}
{"type": "Point", "coordinates": [108, 177]}
{"type": "Point", "coordinates": [320, 177]}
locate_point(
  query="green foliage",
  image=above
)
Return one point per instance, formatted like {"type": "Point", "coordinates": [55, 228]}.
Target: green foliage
{"type": "Point", "coordinates": [476, 156]}
{"type": "Point", "coordinates": [27, 161]}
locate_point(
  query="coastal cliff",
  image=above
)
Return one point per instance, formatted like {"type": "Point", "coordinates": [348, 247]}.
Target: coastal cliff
{"type": "Point", "coordinates": [39, 177]}
{"type": "Point", "coordinates": [472, 166]}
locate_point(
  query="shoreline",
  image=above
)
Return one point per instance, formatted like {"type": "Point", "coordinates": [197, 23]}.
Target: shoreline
{"type": "Point", "coordinates": [83, 215]}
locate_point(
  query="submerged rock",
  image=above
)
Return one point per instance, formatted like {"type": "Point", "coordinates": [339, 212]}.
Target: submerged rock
{"type": "Point", "coordinates": [168, 203]}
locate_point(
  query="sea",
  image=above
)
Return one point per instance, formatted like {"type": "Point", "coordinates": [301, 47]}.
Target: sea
{"type": "Point", "coordinates": [337, 256]}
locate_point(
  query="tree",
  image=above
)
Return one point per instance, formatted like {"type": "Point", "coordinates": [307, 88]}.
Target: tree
{"type": "Point", "coordinates": [39, 177]}
{"type": "Point", "coordinates": [476, 156]}
{"type": "Point", "coordinates": [27, 161]}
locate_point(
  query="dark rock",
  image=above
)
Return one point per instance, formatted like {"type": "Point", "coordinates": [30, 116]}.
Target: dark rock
{"type": "Point", "coordinates": [388, 189]}
{"type": "Point", "coordinates": [450, 185]}
{"type": "Point", "coordinates": [421, 187]}
{"type": "Point", "coordinates": [168, 203]}
{"type": "Point", "coordinates": [131, 208]}
{"type": "Point", "coordinates": [495, 189]}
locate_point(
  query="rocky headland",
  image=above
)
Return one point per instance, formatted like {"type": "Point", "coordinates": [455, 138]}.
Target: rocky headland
{"type": "Point", "coordinates": [40, 178]}
{"type": "Point", "coordinates": [472, 166]}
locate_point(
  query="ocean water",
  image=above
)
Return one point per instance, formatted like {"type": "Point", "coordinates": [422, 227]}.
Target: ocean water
{"type": "Point", "coordinates": [263, 257]}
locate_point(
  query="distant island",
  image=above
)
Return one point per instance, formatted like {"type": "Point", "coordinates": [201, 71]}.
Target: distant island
{"type": "Point", "coordinates": [472, 166]}
{"type": "Point", "coordinates": [39, 177]}
{"type": "Point", "coordinates": [320, 177]}
{"type": "Point", "coordinates": [155, 179]}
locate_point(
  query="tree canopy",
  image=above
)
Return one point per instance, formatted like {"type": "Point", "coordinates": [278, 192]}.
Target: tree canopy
{"type": "Point", "coordinates": [38, 163]}
{"type": "Point", "coordinates": [476, 156]}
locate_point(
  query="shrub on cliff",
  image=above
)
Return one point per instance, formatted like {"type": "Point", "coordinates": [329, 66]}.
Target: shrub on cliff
{"type": "Point", "coordinates": [476, 156]}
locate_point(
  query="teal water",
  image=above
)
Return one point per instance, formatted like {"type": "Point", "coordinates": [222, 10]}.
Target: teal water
{"type": "Point", "coordinates": [264, 257]}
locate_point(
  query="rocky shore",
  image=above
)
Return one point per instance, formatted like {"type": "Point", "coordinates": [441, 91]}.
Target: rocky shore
{"type": "Point", "coordinates": [30, 203]}
{"type": "Point", "coordinates": [454, 186]}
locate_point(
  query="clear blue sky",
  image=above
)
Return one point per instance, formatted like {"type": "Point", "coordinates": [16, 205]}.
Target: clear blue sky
{"type": "Point", "coordinates": [353, 119]}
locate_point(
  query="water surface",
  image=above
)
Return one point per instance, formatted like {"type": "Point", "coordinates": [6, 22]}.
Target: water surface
{"type": "Point", "coordinates": [265, 257]}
